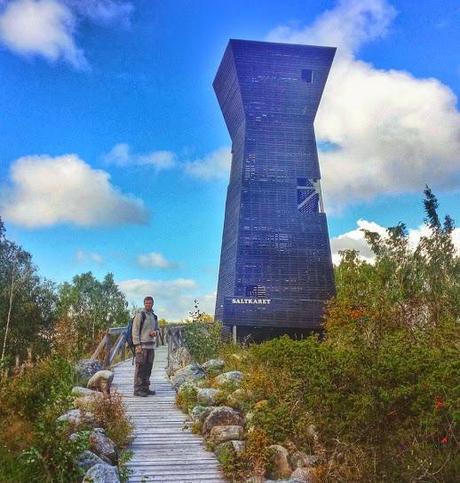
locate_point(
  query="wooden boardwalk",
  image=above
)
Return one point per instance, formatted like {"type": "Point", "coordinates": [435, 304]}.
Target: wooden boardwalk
{"type": "Point", "coordinates": [162, 449]}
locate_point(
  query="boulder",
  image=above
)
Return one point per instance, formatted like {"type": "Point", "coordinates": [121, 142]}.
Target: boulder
{"type": "Point", "coordinates": [280, 467]}
{"type": "Point", "coordinates": [102, 473]}
{"type": "Point", "coordinates": [79, 391]}
{"type": "Point", "coordinates": [101, 381]}
{"type": "Point", "coordinates": [235, 377]}
{"type": "Point", "coordinates": [224, 450]}
{"type": "Point", "coordinates": [77, 417]}
{"type": "Point", "coordinates": [207, 396]}
{"type": "Point", "coordinates": [189, 373]}
{"type": "Point", "coordinates": [213, 366]}
{"type": "Point", "coordinates": [84, 402]}
{"type": "Point", "coordinates": [87, 459]}
{"type": "Point", "coordinates": [178, 359]}
{"type": "Point", "coordinates": [103, 446]}
{"type": "Point", "coordinates": [199, 413]}
{"type": "Point", "coordinates": [86, 368]}
{"type": "Point", "coordinates": [220, 434]}
{"type": "Point", "coordinates": [221, 416]}
{"type": "Point", "coordinates": [302, 474]}
{"type": "Point", "coordinates": [299, 459]}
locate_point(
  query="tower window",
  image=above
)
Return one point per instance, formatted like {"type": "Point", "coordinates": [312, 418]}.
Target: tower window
{"type": "Point", "coordinates": [307, 75]}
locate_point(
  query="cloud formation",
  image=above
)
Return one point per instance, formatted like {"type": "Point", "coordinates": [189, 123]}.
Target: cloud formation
{"type": "Point", "coordinates": [155, 260]}
{"type": "Point", "coordinates": [47, 28]}
{"type": "Point", "coordinates": [173, 298]}
{"type": "Point", "coordinates": [45, 191]}
{"type": "Point", "coordinates": [394, 132]}
{"type": "Point", "coordinates": [121, 155]}
{"type": "Point", "coordinates": [354, 239]}
{"type": "Point", "coordinates": [83, 256]}
{"type": "Point", "coordinates": [215, 165]}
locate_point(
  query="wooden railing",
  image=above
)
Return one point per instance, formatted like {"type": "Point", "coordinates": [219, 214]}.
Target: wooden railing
{"type": "Point", "coordinates": [175, 338]}
{"type": "Point", "coordinates": [119, 347]}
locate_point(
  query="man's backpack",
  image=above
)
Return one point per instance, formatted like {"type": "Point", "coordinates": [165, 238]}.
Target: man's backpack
{"type": "Point", "coordinates": [129, 332]}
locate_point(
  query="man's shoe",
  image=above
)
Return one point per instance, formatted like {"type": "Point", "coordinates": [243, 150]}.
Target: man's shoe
{"type": "Point", "coordinates": [141, 394]}
{"type": "Point", "coordinates": [150, 392]}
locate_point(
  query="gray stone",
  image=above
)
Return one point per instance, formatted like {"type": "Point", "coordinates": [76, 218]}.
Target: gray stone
{"type": "Point", "coordinates": [220, 434]}
{"type": "Point", "coordinates": [299, 459]}
{"type": "Point", "coordinates": [79, 391]}
{"type": "Point", "coordinates": [86, 368]}
{"type": "Point", "coordinates": [189, 373]}
{"type": "Point", "coordinates": [221, 416]}
{"type": "Point", "coordinates": [235, 377]}
{"type": "Point", "coordinates": [303, 475]}
{"type": "Point", "coordinates": [207, 396]}
{"type": "Point", "coordinates": [101, 381]}
{"type": "Point", "coordinates": [103, 446]}
{"type": "Point", "coordinates": [199, 413]}
{"type": "Point", "coordinates": [76, 417]}
{"type": "Point", "coordinates": [213, 365]}
{"type": "Point", "coordinates": [280, 467]}
{"type": "Point", "coordinates": [102, 473]}
{"type": "Point", "coordinates": [87, 459]}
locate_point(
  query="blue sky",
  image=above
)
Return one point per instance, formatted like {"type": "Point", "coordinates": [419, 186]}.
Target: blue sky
{"type": "Point", "coordinates": [114, 153]}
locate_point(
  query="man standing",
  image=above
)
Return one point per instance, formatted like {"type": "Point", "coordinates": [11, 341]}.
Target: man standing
{"type": "Point", "coordinates": [145, 328]}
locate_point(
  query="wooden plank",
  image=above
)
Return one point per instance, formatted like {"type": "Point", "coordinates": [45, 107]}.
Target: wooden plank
{"type": "Point", "coordinates": [163, 451]}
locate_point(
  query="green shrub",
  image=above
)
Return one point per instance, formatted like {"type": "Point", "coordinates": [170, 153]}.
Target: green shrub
{"type": "Point", "coordinates": [202, 339]}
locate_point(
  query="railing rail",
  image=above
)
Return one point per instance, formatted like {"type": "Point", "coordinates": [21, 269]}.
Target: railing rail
{"type": "Point", "coordinates": [119, 347]}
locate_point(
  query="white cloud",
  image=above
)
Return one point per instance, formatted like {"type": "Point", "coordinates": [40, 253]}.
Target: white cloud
{"type": "Point", "coordinates": [45, 190]}
{"type": "Point", "coordinates": [173, 298]}
{"type": "Point", "coordinates": [155, 260]}
{"type": "Point", "coordinates": [121, 155]}
{"type": "Point", "coordinates": [354, 239]}
{"type": "Point", "coordinates": [394, 132]}
{"type": "Point", "coordinates": [47, 28]}
{"type": "Point", "coordinates": [215, 165]}
{"type": "Point", "coordinates": [82, 256]}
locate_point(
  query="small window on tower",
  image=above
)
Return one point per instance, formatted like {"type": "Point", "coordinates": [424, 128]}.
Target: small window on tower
{"type": "Point", "coordinates": [307, 75]}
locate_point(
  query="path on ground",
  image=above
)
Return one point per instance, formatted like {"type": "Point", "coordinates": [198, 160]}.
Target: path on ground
{"type": "Point", "coordinates": [162, 449]}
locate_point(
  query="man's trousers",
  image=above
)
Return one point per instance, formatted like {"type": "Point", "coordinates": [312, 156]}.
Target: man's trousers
{"type": "Point", "coordinates": [144, 363]}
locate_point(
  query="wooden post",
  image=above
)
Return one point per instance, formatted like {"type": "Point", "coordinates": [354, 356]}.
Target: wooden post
{"type": "Point", "coordinates": [108, 346]}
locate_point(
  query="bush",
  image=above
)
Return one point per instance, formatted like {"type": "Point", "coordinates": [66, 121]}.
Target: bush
{"type": "Point", "coordinates": [202, 339]}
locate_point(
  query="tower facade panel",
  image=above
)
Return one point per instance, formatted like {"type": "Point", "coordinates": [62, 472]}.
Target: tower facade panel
{"type": "Point", "coordinates": [275, 267]}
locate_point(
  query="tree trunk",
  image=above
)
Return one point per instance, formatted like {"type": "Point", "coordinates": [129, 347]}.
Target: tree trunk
{"type": "Point", "coordinates": [8, 319]}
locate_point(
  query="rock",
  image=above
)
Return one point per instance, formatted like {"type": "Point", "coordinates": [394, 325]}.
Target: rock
{"type": "Point", "coordinates": [76, 417]}
{"type": "Point", "coordinates": [221, 416]}
{"type": "Point", "coordinates": [86, 401]}
{"type": "Point", "coordinates": [86, 368]}
{"type": "Point", "coordinates": [302, 474]}
{"type": "Point", "coordinates": [238, 397]}
{"type": "Point", "coordinates": [220, 434]}
{"type": "Point", "coordinates": [199, 413]}
{"type": "Point", "coordinates": [101, 381]}
{"type": "Point", "coordinates": [299, 459]}
{"type": "Point", "coordinates": [178, 359]}
{"type": "Point", "coordinates": [87, 459]}
{"type": "Point", "coordinates": [213, 366]}
{"type": "Point", "coordinates": [207, 396]}
{"type": "Point", "coordinates": [189, 373]}
{"type": "Point", "coordinates": [102, 473]}
{"type": "Point", "coordinates": [79, 391]}
{"type": "Point", "coordinates": [103, 446]}
{"type": "Point", "coordinates": [280, 467]}
{"type": "Point", "coordinates": [235, 377]}
{"type": "Point", "coordinates": [224, 450]}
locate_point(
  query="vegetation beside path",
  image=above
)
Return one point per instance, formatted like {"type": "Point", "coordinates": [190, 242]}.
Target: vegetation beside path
{"type": "Point", "coordinates": [377, 399]}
